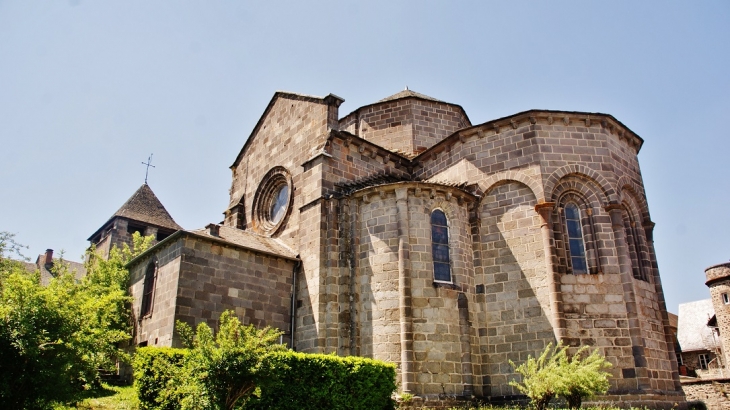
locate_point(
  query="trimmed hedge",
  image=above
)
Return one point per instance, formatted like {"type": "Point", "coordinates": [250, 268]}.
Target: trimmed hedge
{"type": "Point", "coordinates": [302, 381]}
{"type": "Point", "coordinates": [154, 368]}
{"type": "Point", "coordinates": [317, 381]}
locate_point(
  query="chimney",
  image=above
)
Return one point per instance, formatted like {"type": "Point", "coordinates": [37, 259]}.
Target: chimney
{"type": "Point", "coordinates": [333, 103]}
{"type": "Point", "coordinates": [49, 257]}
{"type": "Point", "coordinates": [213, 229]}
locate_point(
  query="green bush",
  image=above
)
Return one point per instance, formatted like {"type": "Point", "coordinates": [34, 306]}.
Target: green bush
{"type": "Point", "coordinates": [154, 371]}
{"type": "Point", "coordinates": [168, 378]}
{"type": "Point", "coordinates": [553, 373]}
{"type": "Point", "coordinates": [316, 381]}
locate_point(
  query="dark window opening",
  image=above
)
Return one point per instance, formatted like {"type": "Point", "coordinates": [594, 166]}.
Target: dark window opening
{"type": "Point", "coordinates": [131, 229]}
{"type": "Point", "coordinates": [149, 289]}
{"type": "Point", "coordinates": [576, 245]}
{"type": "Point", "coordinates": [440, 247]}
{"type": "Point", "coordinates": [161, 236]}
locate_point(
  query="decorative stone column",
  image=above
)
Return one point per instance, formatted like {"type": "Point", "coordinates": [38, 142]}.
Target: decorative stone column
{"type": "Point", "coordinates": [639, 372]}
{"type": "Point", "coordinates": [557, 318]}
{"type": "Point", "coordinates": [404, 289]}
{"type": "Point", "coordinates": [465, 339]}
{"type": "Point", "coordinates": [669, 336]}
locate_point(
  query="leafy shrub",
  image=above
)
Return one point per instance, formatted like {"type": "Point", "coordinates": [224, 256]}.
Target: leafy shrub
{"type": "Point", "coordinates": [243, 367]}
{"type": "Point", "coordinates": [154, 371]}
{"type": "Point", "coordinates": [317, 381]}
{"type": "Point", "coordinates": [553, 373]}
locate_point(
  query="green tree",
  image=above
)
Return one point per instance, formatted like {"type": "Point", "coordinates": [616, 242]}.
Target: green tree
{"type": "Point", "coordinates": [54, 339]}
{"type": "Point", "coordinates": [223, 371]}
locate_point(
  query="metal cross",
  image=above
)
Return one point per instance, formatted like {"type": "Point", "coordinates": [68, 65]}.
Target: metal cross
{"type": "Point", "coordinates": [149, 164]}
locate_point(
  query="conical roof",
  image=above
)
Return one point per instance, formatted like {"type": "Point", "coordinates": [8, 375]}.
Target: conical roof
{"type": "Point", "coordinates": [408, 93]}
{"type": "Point", "coordinates": [143, 206]}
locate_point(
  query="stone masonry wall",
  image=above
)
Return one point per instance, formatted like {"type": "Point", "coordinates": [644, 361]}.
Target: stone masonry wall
{"type": "Point", "coordinates": [292, 134]}
{"type": "Point", "coordinates": [514, 305]}
{"type": "Point", "coordinates": [215, 277]}
{"type": "Point", "coordinates": [408, 125]}
{"type": "Point", "coordinates": [442, 345]}
{"type": "Point", "coordinates": [157, 328]}
{"type": "Point", "coordinates": [574, 155]}
{"type": "Point", "coordinates": [715, 394]}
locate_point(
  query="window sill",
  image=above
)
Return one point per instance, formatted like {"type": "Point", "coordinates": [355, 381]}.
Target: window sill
{"type": "Point", "coordinates": [447, 285]}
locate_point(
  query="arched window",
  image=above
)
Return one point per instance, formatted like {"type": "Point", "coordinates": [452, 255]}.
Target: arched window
{"type": "Point", "coordinates": [576, 245]}
{"type": "Point", "coordinates": [440, 246]}
{"type": "Point", "coordinates": [148, 291]}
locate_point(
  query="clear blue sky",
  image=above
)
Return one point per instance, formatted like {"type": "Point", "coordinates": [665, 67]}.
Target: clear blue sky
{"type": "Point", "coordinates": [89, 89]}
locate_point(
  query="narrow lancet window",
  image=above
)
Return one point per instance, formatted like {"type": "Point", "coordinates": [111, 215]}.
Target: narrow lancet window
{"type": "Point", "coordinates": [576, 245]}
{"type": "Point", "coordinates": [149, 289]}
{"type": "Point", "coordinates": [440, 247]}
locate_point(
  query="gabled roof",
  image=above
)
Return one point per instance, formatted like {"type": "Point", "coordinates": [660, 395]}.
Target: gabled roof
{"type": "Point", "coordinates": [249, 240]}
{"type": "Point", "coordinates": [143, 206]}
{"type": "Point", "coordinates": [692, 331]}
{"type": "Point", "coordinates": [408, 93]}
{"type": "Point", "coordinates": [328, 99]}
{"type": "Point", "coordinates": [232, 237]}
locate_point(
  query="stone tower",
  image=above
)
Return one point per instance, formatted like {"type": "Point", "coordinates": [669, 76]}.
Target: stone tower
{"type": "Point", "coordinates": [718, 280]}
{"type": "Point", "coordinates": [142, 213]}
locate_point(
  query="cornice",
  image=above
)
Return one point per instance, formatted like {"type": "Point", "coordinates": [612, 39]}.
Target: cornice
{"type": "Point", "coordinates": [418, 189]}
{"type": "Point", "coordinates": [534, 117]}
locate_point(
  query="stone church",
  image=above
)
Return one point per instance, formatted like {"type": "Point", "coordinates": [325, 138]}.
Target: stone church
{"type": "Point", "coordinates": [403, 232]}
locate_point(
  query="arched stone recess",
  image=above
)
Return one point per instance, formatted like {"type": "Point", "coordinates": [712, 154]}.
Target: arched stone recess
{"type": "Point", "coordinates": [591, 198]}
{"type": "Point", "coordinates": [514, 319]}
{"type": "Point", "coordinates": [580, 171]}
{"type": "Point", "coordinates": [629, 188]}
{"type": "Point", "coordinates": [512, 175]}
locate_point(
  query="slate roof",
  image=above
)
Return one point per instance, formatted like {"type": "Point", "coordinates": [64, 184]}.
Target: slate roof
{"type": "Point", "coordinates": [143, 206]}
{"type": "Point", "coordinates": [249, 240]}
{"type": "Point", "coordinates": [77, 268]}
{"type": "Point", "coordinates": [408, 93]}
{"type": "Point", "coordinates": [692, 331]}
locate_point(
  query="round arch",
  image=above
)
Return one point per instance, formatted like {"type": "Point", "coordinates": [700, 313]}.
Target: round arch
{"type": "Point", "coordinates": [582, 172]}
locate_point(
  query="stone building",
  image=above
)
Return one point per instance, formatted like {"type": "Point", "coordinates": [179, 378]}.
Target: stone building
{"type": "Point", "coordinates": [404, 232]}
{"type": "Point", "coordinates": [698, 339]}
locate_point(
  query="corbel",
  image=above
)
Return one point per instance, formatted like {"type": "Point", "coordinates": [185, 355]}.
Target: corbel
{"type": "Point", "coordinates": [365, 198]}
{"type": "Point", "coordinates": [382, 193]}
{"type": "Point", "coordinates": [448, 196]}
{"type": "Point", "coordinates": [417, 192]}
{"type": "Point", "coordinates": [514, 124]}
{"type": "Point", "coordinates": [533, 120]}
{"type": "Point", "coordinates": [373, 153]}
{"type": "Point", "coordinates": [604, 124]}
{"type": "Point", "coordinates": [346, 142]}
{"type": "Point", "coordinates": [496, 128]}
{"type": "Point", "coordinates": [480, 133]}
{"type": "Point", "coordinates": [361, 149]}
{"type": "Point", "coordinates": [566, 120]}
{"type": "Point", "coordinates": [550, 119]}
{"type": "Point", "coordinates": [462, 138]}
{"type": "Point", "coordinates": [432, 193]}
{"type": "Point", "coordinates": [588, 121]}
{"type": "Point", "coordinates": [386, 158]}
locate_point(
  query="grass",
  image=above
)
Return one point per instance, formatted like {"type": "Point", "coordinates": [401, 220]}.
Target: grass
{"type": "Point", "coordinates": [107, 398]}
